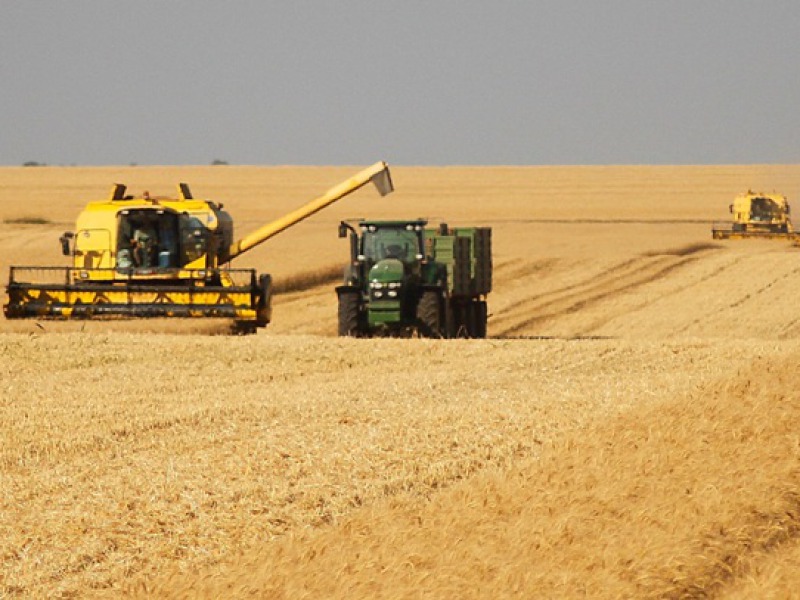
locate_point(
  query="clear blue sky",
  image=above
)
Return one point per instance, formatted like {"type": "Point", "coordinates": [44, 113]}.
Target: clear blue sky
{"type": "Point", "coordinates": [412, 82]}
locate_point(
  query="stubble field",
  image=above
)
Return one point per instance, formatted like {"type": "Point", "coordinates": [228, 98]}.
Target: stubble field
{"type": "Point", "coordinates": [629, 429]}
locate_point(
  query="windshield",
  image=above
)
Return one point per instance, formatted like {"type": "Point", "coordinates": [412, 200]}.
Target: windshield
{"type": "Point", "coordinates": [401, 244]}
{"type": "Point", "coordinates": [147, 238]}
{"type": "Point", "coordinates": [765, 208]}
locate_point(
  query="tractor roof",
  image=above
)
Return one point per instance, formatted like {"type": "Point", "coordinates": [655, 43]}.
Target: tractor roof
{"type": "Point", "coordinates": [393, 224]}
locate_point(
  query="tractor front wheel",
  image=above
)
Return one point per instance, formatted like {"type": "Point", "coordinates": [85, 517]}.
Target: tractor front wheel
{"type": "Point", "coordinates": [349, 311]}
{"type": "Point", "coordinates": [429, 314]}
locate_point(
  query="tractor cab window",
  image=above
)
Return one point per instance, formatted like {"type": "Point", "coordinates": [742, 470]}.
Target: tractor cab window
{"type": "Point", "coordinates": [383, 243]}
{"type": "Point", "coordinates": [147, 239]}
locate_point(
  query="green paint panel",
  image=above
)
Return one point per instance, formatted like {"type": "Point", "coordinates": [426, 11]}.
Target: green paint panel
{"type": "Point", "coordinates": [466, 252]}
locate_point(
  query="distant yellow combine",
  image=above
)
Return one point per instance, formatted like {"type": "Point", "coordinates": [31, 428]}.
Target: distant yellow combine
{"type": "Point", "coordinates": [757, 216]}
{"type": "Point", "coordinates": [145, 256]}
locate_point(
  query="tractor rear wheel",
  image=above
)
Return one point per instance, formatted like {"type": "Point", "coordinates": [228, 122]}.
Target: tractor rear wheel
{"type": "Point", "coordinates": [429, 314]}
{"type": "Point", "coordinates": [349, 311]}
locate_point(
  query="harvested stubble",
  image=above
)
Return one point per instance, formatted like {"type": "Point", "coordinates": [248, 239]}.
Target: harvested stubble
{"type": "Point", "coordinates": [677, 498]}
{"type": "Point", "coordinates": [125, 454]}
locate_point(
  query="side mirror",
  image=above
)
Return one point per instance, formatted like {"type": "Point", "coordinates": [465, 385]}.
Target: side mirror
{"type": "Point", "coordinates": [64, 239]}
{"type": "Point", "coordinates": [342, 230]}
{"type": "Point", "coordinates": [730, 208]}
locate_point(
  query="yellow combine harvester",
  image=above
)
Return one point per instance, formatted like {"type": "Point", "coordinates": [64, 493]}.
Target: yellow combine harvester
{"type": "Point", "coordinates": [757, 216]}
{"type": "Point", "coordinates": [138, 257]}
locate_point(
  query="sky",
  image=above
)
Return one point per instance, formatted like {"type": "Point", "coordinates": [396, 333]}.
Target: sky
{"type": "Point", "coordinates": [436, 82]}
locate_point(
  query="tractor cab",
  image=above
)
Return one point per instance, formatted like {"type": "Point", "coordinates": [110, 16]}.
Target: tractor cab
{"type": "Point", "coordinates": [386, 253]}
{"type": "Point", "coordinates": [402, 241]}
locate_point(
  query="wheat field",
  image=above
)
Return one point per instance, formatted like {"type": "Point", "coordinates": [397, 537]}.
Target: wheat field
{"type": "Point", "coordinates": [628, 429]}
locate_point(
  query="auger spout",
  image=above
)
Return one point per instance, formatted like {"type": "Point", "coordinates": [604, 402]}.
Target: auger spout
{"type": "Point", "coordinates": [378, 174]}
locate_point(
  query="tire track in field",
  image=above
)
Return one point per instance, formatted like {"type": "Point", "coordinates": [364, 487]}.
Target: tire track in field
{"type": "Point", "coordinates": [720, 270]}
{"type": "Point", "coordinates": [621, 278]}
{"type": "Point", "coordinates": [746, 298]}
{"type": "Point", "coordinates": [519, 268]}
{"type": "Point", "coordinates": [790, 329]}
{"type": "Point", "coordinates": [626, 265]}
{"type": "Point", "coordinates": [755, 295]}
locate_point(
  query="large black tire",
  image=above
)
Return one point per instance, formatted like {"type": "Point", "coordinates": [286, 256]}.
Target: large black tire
{"type": "Point", "coordinates": [461, 321]}
{"type": "Point", "coordinates": [264, 306]}
{"type": "Point", "coordinates": [349, 314]}
{"type": "Point", "coordinates": [481, 316]}
{"type": "Point", "coordinates": [450, 320]}
{"type": "Point", "coordinates": [429, 315]}
{"type": "Point", "coordinates": [471, 319]}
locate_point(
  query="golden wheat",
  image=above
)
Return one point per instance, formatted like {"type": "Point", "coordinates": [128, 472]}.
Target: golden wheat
{"type": "Point", "coordinates": [670, 498]}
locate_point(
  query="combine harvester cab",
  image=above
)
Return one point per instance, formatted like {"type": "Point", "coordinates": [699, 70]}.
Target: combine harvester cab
{"type": "Point", "coordinates": [140, 257]}
{"type": "Point", "coordinates": [404, 278]}
{"type": "Point", "coordinates": [765, 216]}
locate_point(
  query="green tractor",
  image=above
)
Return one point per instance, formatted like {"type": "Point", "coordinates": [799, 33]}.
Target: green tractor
{"type": "Point", "coordinates": [404, 278]}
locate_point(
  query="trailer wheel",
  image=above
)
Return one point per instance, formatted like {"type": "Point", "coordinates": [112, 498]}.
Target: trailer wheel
{"type": "Point", "coordinates": [429, 314]}
{"type": "Point", "coordinates": [450, 319]}
{"type": "Point", "coordinates": [349, 322]}
{"type": "Point", "coordinates": [471, 319]}
{"type": "Point", "coordinates": [481, 316]}
{"type": "Point", "coordinates": [459, 327]}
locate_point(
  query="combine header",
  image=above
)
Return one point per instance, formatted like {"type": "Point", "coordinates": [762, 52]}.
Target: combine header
{"type": "Point", "coordinates": [757, 216]}
{"type": "Point", "coordinates": [139, 257]}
